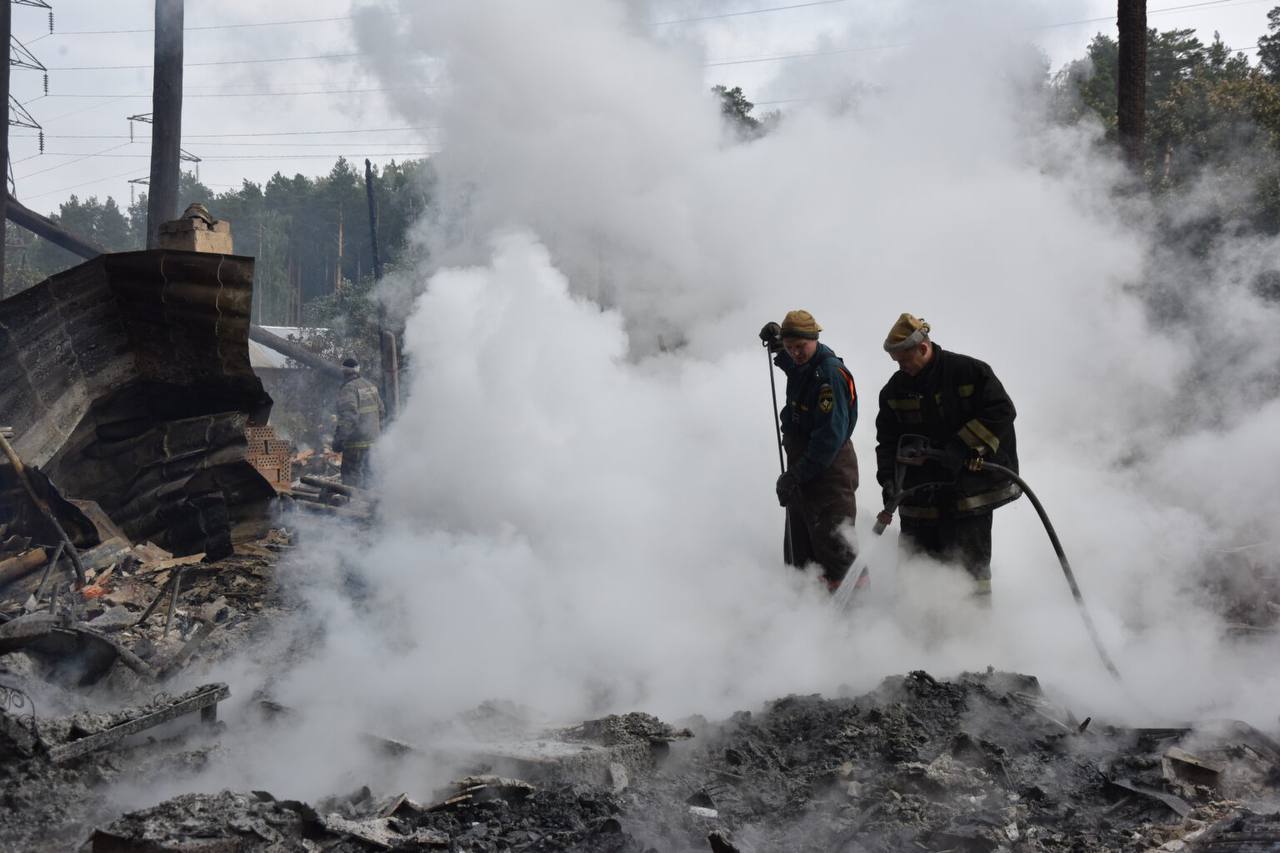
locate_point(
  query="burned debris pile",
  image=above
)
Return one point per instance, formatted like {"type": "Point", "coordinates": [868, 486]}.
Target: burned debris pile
{"type": "Point", "coordinates": [94, 681]}
{"type": "Point", "coordinates": [984, 762]}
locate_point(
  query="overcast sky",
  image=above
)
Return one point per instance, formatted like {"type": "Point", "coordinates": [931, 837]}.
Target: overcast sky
{"type": "Point", "coordinates": [248, 115]}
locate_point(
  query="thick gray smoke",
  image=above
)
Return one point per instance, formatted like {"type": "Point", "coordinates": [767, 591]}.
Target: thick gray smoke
{"type": "Point", "coordinates": [577, 497]}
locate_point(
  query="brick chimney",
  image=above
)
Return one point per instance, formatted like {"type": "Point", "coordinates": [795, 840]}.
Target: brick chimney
{"type": "Point", "coordinates": [196, 231]}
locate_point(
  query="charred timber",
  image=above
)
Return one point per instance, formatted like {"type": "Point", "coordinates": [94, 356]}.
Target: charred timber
{"type": "Point", "coordinates": [295, 351]}
{"type": "Point", "coordinates": [19, 214]}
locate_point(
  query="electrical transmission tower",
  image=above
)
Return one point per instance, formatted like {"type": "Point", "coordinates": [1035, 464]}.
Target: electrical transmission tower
{"type": "Point", "coordinates": [183, 154]}
{"type": "Point", "coordinates": [18, 57]}
{"type": "Point", "coordinates": [21, 57]}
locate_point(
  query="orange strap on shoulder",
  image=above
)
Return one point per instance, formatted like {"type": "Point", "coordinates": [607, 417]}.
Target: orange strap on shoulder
{"type": "Point", "coordinates": [848, 377]}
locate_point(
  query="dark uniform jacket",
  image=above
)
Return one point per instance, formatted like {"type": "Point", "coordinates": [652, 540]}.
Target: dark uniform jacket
{"type": "Point", "coordinates": [959, 405]}
{"type": "Point", "coordinates": [821, 410]}
{"type": "Point", "coordinates": [360, 413]}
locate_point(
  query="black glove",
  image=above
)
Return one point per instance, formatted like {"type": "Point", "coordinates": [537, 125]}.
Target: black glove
{"type": "Point", "coordinates": [336, 446]}
{"type": "Point", "coordinates": [771, 336]}
{"type": "Point", "coordinates": [788, 489]}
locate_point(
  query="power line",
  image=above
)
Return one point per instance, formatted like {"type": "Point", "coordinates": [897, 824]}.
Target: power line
{"type": "Point", "coordinates": [79, 185]}
{"type": "Point", "coordinates": [209, 27]}
{"type": "Point", "coordinates": [748, 12]}
{"type": "Point", "coordinates": [784, 56]}
{"type": "Point", "coordinates": [283, 156]}
{"type": "Point", "coordinates": [188, 95]}
{"type": "Point", "coordinates": [280, 156]}
{"type": "Point", "coordinates": [80, 157]}
{"type": "Point", "coordinates": [1203, 3]}
{"type": "Point", "coordinates": [843, 50]}
{"type": "Point", "coordinates": [214, 62]}
{"type": "Point", "coordinates": [142, 139]}
{"type": "Point", "coordinates": [248, 133]}
{"type": "Point", "coordinates": [354, 54]}
{"type": "Point", "coordinates": [248, 157]}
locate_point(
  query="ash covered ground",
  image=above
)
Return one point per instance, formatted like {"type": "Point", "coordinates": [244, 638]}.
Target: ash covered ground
{"type": "Point", "coordinates": [977, 762]}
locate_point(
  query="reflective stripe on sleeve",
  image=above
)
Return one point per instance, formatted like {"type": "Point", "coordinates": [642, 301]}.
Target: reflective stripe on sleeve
{"type": "Point", "coordinates": [978, 436]}
{"type": "Point", "coordinates": [1008, 491]}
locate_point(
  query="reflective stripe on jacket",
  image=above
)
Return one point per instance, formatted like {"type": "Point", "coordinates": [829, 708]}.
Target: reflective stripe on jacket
{"type": "Point", "coordinates": [958, 404]}
{"type": "Point", "coordinates": [360, 413]}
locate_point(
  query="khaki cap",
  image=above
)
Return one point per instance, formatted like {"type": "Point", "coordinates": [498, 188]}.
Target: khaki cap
{"type": "Point", "coordinates": [800, 324]}
{"type": "Point", "coordinates": [906, 333]}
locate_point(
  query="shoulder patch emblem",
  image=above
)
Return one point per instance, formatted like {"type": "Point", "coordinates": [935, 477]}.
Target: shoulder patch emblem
{"type": "Point", "coordinates": [826, 399]}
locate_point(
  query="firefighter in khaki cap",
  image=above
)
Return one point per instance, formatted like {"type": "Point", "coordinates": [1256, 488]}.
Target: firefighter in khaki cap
{"type": "Point", "coordinates": [360, 414]}
{"type": "Point", "coordinates": [959, 406]}
{"type": "Point", "coordinates": [822, 471]}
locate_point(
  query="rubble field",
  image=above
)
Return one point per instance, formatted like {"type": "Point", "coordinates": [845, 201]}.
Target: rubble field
{"type": "Point", "coordinates": [105, 690]}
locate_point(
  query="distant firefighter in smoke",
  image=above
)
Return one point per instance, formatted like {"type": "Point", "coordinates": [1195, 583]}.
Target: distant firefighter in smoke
{"type": "Point", "coordinates": [360, 414]}
{"type": "Point", "coordinates": [821, 475]}
{"type": "Point", "coordinates": [941, 416]}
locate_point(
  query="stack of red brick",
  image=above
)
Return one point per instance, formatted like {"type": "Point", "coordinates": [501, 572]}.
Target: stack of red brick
{"type": "Point", "coordinates": [271, 455]}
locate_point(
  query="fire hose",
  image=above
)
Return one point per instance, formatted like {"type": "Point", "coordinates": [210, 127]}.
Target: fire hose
{"type": "Point", "coordinates": [916, 455]}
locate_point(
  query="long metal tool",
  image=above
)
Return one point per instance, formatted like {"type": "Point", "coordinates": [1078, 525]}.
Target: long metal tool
{"type": "Point", "coordinates": [782, 464]}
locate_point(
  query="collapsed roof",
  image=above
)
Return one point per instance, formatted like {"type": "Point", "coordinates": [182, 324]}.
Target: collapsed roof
{"type": "Point", "coordinates": [127, 380]}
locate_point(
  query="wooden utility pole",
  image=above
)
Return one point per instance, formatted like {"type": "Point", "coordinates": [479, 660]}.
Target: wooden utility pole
{"type": "Point", "coordinates": [166, 119]}
{"type": "Point", "coordinates": [1131, 79]}
{"type": "Point", "coordinates": [337, 273]}
{"type": "Point", "coordinates": [6, 30]}
{"type": "Point", "coordinates": [388, 344]}
{"type": "Point", "coordinates": [373, 219]}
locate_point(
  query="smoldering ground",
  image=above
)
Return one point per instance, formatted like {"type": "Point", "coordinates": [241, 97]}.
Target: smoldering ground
{"type": "Point", "coordinates": [577, 510]}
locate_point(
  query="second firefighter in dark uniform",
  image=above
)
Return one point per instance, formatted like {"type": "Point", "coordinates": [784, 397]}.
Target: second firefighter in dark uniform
{"type": "Point", "coordinates": [360, 414]}
{"type": "Point", "coordinates": [822, 472]}
{"type": "Point", "coordinates": [961, 410]}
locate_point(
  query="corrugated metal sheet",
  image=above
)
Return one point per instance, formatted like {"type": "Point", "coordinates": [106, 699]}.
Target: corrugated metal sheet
{"type": "Point", "coordinates": [127, 380]}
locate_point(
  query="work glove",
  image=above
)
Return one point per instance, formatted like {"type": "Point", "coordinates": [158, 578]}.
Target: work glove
{"type": "Point", "coordinates": [788, 489]}
{"type": "Point", "coordinates": [771, 336]}
{"type": "Point", "coordinates": [957, 457]}
{"type": "Point", "coordinates": [884, 518]}
{"type": "Point", "coordinates": [336, 446]}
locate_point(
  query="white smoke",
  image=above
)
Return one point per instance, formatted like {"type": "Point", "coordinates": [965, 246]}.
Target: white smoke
{"type": "Point", "coordinates": [577, 496]}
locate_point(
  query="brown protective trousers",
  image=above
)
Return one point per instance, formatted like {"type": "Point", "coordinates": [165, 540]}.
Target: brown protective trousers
{"type": "Point", "coordinates": [814, 518]}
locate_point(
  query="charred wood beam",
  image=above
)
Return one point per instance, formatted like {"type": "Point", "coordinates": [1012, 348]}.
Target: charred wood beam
{"type": "Point", "coordinates": [297, 352]}
{"type": "Point", "coordinates": [20, 214]}
{"type": "Point", "coordinates": [43, 506]}
{"type": "Point", "coordinates": [340, 488]}
{"type": "Point", "coordinates": [203, 700]}
{"type": "Point", "coordinates": [19, 567]}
